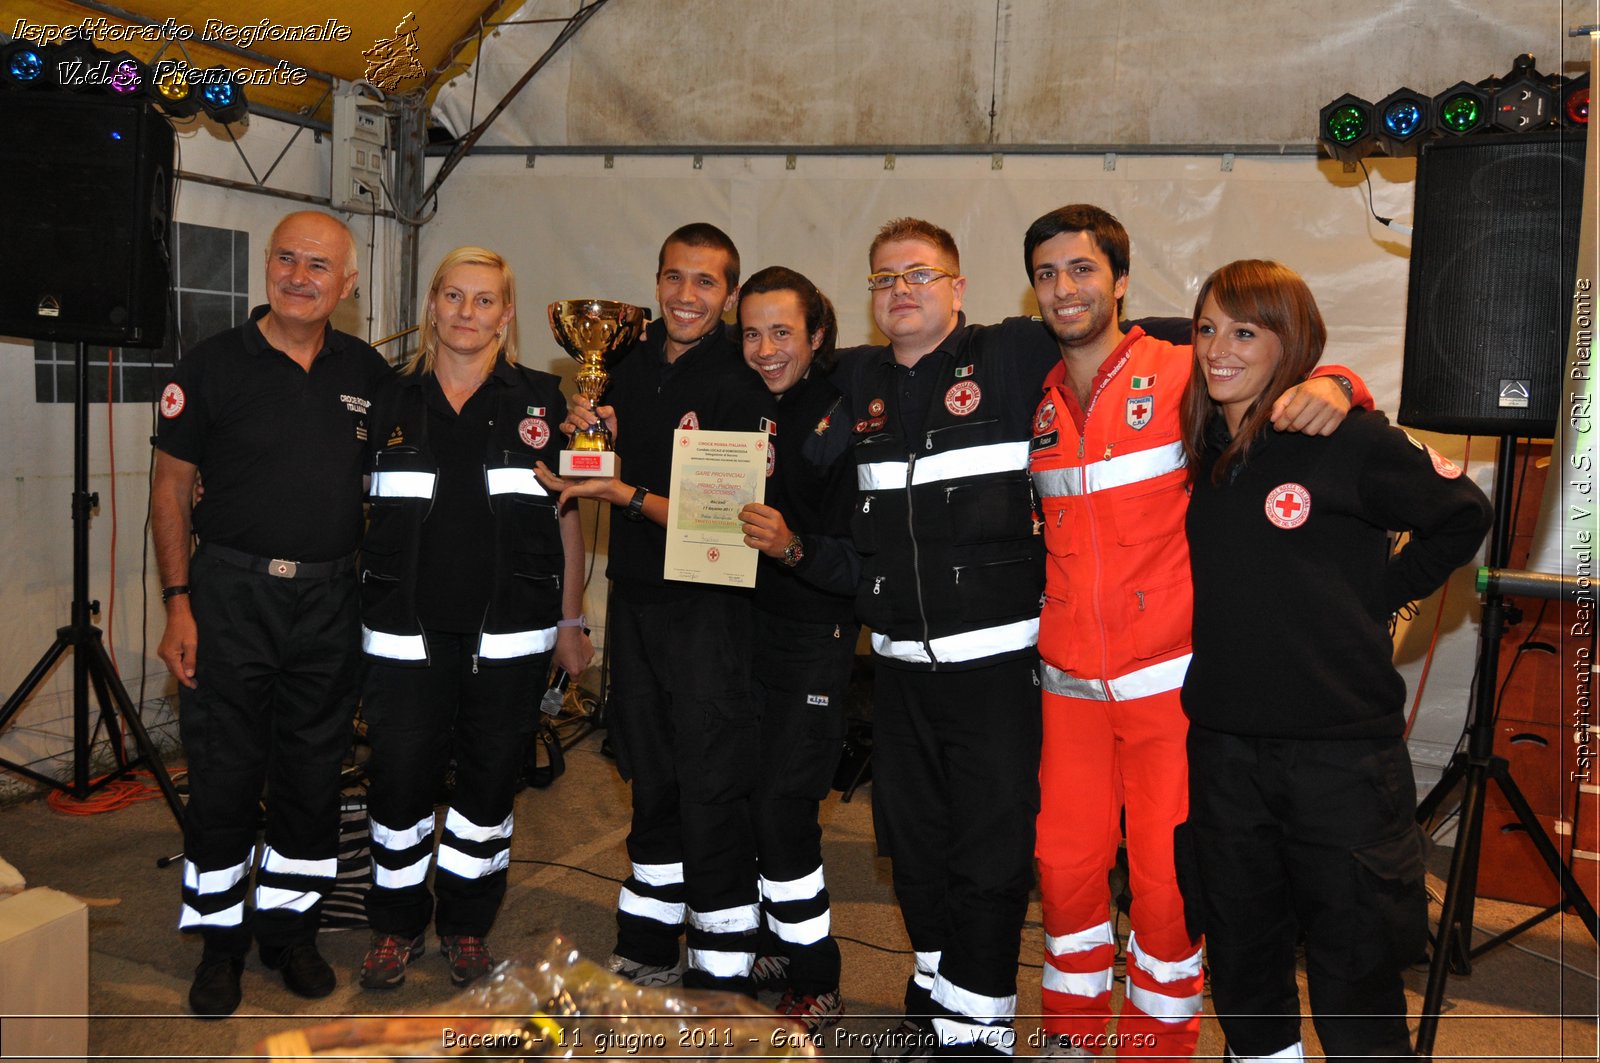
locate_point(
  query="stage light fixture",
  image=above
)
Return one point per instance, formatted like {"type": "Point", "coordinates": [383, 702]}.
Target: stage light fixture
{"type": "Point", "coordinates": [221, 96]}
{"type": "Point", "coordinates": [25, 65]}
{"type": "Point", "coordinates": [128, 76]}
{"type": "Point", "coordinates": [170, 89]}
{"type": "Point", "coordinates": [1575, 103]}
{"type": "Point", "coordinates": [1463, 108]}
{"type": "Point", "coordinates": [1525, 101]}
{"type": "Point", "coordinates": [1404, 119]}
{"type": "Point", "coordinates": [1345, 128]}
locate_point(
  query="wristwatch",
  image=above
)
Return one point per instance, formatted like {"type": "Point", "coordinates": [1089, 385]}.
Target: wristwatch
{"type": "Point", "coordinates": [793, 552]}
{"type": "Point", "coordinates": [635, 510]}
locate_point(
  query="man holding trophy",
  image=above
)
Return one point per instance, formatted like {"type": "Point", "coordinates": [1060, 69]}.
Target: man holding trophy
{"type": "Point", "coordinates": [681, 717]}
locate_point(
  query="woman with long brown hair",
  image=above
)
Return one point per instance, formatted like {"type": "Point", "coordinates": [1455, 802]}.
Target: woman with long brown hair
{"type": "Point", "coordinates": [1301, 800]}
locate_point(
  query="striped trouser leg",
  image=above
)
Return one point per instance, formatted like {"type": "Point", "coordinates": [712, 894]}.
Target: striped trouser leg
{"type": "Point", "coordinates": [650, 909]}
{"type": "Point", "coordinates": [399, 902]}
{"type": "Point", "coordinates": [471, 880]}
{"type": "Point", "coordinates": [798, 915]}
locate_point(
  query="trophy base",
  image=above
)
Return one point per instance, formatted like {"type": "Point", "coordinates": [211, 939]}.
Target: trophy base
{"type": "Point", "coordinates": [582, 464]}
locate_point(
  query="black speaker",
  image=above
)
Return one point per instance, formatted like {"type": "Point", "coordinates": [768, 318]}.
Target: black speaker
{"type": "Point", "coordinates": [1493, 259]}
{"type": "Point", "coordinates": [86, 183]}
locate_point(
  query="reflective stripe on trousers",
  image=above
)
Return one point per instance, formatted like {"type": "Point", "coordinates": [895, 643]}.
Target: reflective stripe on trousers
{"type": "Point", "coordinates": [1140, 683]}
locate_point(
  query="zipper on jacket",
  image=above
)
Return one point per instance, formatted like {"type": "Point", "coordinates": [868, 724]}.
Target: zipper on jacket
{"type": "Point", "coordinates": [916, 557]}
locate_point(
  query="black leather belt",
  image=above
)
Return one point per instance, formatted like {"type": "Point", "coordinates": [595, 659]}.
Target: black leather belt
{"type": "Point", "coordinates": [277, 566]}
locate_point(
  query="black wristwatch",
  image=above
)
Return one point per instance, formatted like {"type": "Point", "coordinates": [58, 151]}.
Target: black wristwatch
{"type": "Point", "coordinates": [793, 552]}
{"type": "Point", "coordinates": [635, 510]}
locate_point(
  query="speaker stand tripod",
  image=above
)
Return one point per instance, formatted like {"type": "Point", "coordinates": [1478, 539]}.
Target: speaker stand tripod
{"type": "Point", "coordinates": [1453, 950]}
{"type": "Point", "coordinates": [90, 662]}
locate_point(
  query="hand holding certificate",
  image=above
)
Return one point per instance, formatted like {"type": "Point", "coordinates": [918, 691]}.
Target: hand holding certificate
{"type": "Point", "coordinates": [714, 475]}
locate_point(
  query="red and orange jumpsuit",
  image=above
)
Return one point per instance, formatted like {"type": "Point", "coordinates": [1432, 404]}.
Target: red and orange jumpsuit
{"type": "Point", "coordinates": [1115, 641]}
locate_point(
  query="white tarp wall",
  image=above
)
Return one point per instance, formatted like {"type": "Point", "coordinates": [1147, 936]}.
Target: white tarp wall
{"type": "Point", "coordinates": [576, 227]}
{"type": "Point", "coordinates": [831, 72]}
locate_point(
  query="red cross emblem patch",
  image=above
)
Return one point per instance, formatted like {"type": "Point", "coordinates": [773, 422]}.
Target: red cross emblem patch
{"type": "Point", "coordinates": [1443, 465]}
{"type": "Point", "coordinates": [689, 421]}
{"type": "Point", "coordinates": [1288, 505]}
{"type": "Point", "coordinates": [875, 408]}
{"type": "Point", "coordinates": [963, 397]}
{"type": "Point", "coordinates": [172, 401]}
{"type": "Point", "coordinates": [534, 432]}
{"type": "Point", "coordinates": [1140, 407]}
{"type": "Point", "coordinates": [1045, 417]}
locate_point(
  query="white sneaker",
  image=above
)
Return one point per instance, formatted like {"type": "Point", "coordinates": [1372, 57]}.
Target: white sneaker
{"type": "Point", "coordinates": [644, 974]}
{"type": "Point", "coordinates": [1061, 1047]}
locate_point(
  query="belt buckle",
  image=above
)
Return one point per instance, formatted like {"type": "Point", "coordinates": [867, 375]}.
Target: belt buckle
{"type": "Point", "coordinates": [282, 569]}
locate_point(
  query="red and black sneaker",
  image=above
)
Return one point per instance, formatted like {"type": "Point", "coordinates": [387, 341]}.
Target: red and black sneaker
{"type": "Point", "coordinates": [468, 957]}
{"type": "Point", "coordinates": [385, 965]}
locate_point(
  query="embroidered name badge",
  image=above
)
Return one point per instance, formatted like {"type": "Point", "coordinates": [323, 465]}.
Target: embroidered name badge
{"type": "Point", "coordinates": [534, 432]}
{"type": "Point", "coordinates": [1044, 442]}
{"type": "Point", "coordinates": [1140, 409]}
{"type": "Point", "coordinates": [1288, 505]}
{"type": "Point", "coordinates": [816, 699]}
{"type": "Point", "coordinates": [963, 397]}
{"type": "Point", "coordinates": [172, 401]}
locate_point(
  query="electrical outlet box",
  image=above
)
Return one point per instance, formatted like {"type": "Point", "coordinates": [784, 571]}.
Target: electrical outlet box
{"type": "Point", "coordinates": [358, 155]}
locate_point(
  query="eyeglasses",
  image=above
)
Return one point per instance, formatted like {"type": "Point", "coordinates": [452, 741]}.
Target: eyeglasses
{"type": "Point", "coordinates": [877, 282]}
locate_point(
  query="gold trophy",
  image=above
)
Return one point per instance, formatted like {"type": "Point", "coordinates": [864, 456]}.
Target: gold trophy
{"type": "Point", "coordinates": [590, 329]}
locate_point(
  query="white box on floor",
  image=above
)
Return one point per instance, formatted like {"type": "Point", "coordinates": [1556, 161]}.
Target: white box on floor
{"type": "Point", "coordinates": [44, 972]}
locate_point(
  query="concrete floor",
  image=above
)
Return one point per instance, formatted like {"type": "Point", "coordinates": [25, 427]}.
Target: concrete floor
{"type": "Point", "coordinates": [1533, 1000]}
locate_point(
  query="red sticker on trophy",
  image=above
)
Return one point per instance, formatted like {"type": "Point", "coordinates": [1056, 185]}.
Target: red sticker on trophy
{"type": "Point", "coordinates": [534, 432]}
{"type": "Point", "coordinates": [963, 397]}
{"type": "Point", "coordinates": [689, 421]}
{"type": "Point", "coordinates": [172, 401]}
{"type": "Point", "coordinates": [1288, 505]}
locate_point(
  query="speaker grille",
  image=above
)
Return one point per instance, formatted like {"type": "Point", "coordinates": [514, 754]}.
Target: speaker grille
{"type": "Point", "coordinates": [86, 185]}
{"type": "Point", "coordinates": [1493, 260]}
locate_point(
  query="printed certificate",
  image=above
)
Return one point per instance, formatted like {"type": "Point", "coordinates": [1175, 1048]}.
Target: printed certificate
{"type": "Point", "coordinates": [714, 475]}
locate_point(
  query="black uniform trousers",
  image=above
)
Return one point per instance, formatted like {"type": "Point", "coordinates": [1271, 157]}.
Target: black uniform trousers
{"type": "Point", "coordinates": [801, 681]}
{"type": "Point", "coordinates": [482, 714]}
{"type": "Point", "coordinates": [955, 797]}
{"type": "Point", "coordinates": [1315, 836]}
{"type": "Point", "coordinates": [687, 738]}
{"type": "Point", "coordinates": [276, 672]}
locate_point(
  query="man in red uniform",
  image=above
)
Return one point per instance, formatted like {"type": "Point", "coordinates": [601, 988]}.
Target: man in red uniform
{"type": "Point", "coordinates": [1108, 467]}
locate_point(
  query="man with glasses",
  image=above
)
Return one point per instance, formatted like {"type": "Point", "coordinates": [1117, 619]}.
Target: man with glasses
{"type": "Point", "coordinates": [952, 573]}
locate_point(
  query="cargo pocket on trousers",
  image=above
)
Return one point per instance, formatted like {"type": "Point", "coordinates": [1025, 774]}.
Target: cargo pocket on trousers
{"type": "Point", "coordinates": [1391, 877]}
